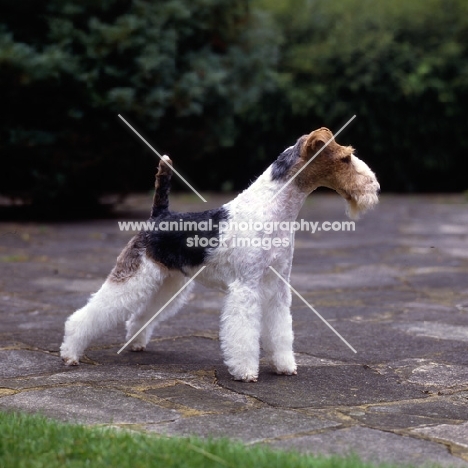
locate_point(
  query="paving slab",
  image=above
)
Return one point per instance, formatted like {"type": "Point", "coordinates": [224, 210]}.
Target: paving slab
{"type": "Point", "coordinates": [376, 341]}
{"type": "Point", "coordinates": [375, 447]}
{"type": "Point", "coordinates": [252, 426]}
{"type": "Point", "coordinates": [441, 331]}
{"type": "Point", "coordinates": [199, 399]}
{"type": "Point", "coordinates": [124, 376]}
{"type": "Point", "coordinates": [21, 363]}
{"type": "Point", "coordinates": [88, 405]}
{"type": "Point", "coordinates": [439, 375]}
{"type": "Point", "coordinates": [396, 288]}
{"type": "Point", "coordinates": [427, 412]}
{"type": "Point", "coordinates": [184, 353]}
{"type": "Point", "coordinates": [324, 386]}
{"type": "Point", "coordinates": [448, 433]}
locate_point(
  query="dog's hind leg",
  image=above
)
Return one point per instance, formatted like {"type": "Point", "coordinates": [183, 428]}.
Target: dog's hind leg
{"type": "Point", "coordinates": [143, 315]}
{"type": "Point", "coordinates": [170, 287]}
{"type": "Point", "coordinates": [118, 298]}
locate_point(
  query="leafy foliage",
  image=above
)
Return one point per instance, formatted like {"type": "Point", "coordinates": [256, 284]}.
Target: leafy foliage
{"type": "Point", "coordinates": [400, 66]}
{"type": "Point", "coordinates": [179, 71]}
{"type": "Point", "coordinates": [223, 86]}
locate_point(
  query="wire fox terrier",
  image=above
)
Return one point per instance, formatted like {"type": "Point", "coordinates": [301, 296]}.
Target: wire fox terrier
{"type": "Point", "coordinates": [156, 264]}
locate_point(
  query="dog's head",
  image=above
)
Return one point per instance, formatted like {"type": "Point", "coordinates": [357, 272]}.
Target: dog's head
{"type": "Point", "coordinates": [322, 162]}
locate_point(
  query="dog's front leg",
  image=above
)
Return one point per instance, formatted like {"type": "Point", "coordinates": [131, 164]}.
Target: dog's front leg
{"type": "Point", "coordinates": [240, 331]}
{"type": "Point", "coordinates": [277, 332]}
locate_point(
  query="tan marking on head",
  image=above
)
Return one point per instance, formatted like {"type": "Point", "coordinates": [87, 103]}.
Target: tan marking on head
{"type": "Point", "coordinates": [129, 260]}
{"type": "Point", "coordinates": [315, 141]}
{"type": "Point", "coordinates": [337, 168]}
{"type": "Point", "coordinates": [332, 163]}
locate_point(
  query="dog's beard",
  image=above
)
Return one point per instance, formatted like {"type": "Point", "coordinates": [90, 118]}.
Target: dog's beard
{"type": "Point", "coordinates": [358, 204]}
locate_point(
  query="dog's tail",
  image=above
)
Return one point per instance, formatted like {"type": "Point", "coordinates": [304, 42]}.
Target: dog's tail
{"type": "Point", "coordinates": [162, 186]}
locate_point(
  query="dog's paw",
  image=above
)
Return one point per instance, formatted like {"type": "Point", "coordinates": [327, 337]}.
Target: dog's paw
{"type": "Point", "coordinates": [70, 361]}
{"type": "Point", "coordinates": [250, 378]}
{"type": "Point", "coordinates": [285, 365]}
{"type": "Point", "coordinates": [137, 348]}
{"type": "Point", "coordinates": [247, 376]}
{"type": "Point", "coordinates": [286, 372]}
{"type": "Point", "coordinates": [69, 356]}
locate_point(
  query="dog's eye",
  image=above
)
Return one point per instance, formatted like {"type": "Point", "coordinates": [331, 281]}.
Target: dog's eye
{"type": "Point", "coordinates": [346, 159]}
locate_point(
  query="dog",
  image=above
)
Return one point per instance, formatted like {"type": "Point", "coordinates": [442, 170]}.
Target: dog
{"type": "Point", "coordinates": [156, 264]}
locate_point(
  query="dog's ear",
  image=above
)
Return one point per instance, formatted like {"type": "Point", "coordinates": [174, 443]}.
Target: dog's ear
{"type": "Point", "coordinates": [317, 139]}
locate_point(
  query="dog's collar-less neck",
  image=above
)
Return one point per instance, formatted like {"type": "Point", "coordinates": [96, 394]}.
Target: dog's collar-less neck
{"type": "Point", "coordinates": [263, 198]}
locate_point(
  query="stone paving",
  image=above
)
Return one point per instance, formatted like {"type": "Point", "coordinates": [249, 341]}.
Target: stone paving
{"type": "Point", "coordinates": [396, 289]}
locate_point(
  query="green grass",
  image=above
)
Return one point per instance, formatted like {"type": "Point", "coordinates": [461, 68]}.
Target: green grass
{"type": "Point", "coordinates": [34, 441]}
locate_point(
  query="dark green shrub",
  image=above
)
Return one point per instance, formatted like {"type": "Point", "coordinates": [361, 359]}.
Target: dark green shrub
{"type": "Point", "coordinates": [223, 87]}
{"type": "Point", "coordinates": [400, 65]}
{"type": "Point", "coordinates": [181, 71]}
